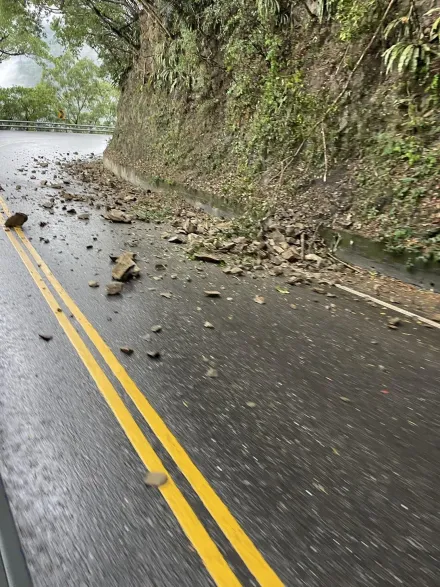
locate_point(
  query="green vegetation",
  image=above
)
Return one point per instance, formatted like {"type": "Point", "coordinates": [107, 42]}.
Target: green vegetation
{"type": "Point", "coordinates": [398, 192]}
{"type": "Point", "coordinates": [110, 27]}
{"type": "Point", "coordinates": [38, 103]}
{"type": "Point", "coordinates": [77, 87]}
{"type": "Point", "coordinates": [260, 97]}
{"type": "Point", "coordinates": [417, 41]}
{"type": "Point", "coordinates": [81, 91]}
{"type": "Point", "coordinates": [20, 31]}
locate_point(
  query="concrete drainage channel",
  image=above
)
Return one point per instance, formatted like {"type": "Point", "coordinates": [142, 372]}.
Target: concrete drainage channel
{"type": "Point", "coordinates": [13, 567]}
{"type": "Point", "coordinates": [373, 255]}
{"type": "Point", "coordinates": [209, 203]}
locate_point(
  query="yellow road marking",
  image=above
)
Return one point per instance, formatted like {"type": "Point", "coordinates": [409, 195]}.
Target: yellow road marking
{"type": "Point", "coordinates": [191, 525]}
{"type": "Point", "coordinates": [244, 546]}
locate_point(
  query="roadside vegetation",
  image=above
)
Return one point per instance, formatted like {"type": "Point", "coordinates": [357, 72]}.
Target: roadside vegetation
{"type": "Point", "coordinates": [265, 100]}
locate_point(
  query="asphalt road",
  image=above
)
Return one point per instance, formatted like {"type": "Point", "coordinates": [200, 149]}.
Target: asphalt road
{"type": "Point", "coordinates": [320, 436]}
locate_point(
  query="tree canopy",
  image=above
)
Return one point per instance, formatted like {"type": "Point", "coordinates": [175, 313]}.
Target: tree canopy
{"type": "Point", "coordinates": [76, 86]}
{"type": "Point", "coordinates": [20, 30]}
{"type": "Point", "coordinates": [81, 90]}
{"type": "Point", "coordinates": [110, 27]}
{"type": "Point", "coordinates": [37, 103]}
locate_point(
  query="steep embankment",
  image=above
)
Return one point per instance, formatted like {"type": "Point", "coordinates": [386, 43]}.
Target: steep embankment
{"type": "Point", "coordinates": [289, 107]}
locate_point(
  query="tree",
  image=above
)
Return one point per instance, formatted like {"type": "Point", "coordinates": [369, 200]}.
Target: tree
{"type": "Point", "coordinates": [110, 27]}
{"type": "Point", "coordinates": [18, 103]}
{"type": "Point", "coordinates": [81, 89]}
{"type": "Point", "coordinates": [20, 30]}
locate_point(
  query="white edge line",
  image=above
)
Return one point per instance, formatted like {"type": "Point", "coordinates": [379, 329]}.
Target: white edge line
{"type": "Point", "coordinates": [389, 306]}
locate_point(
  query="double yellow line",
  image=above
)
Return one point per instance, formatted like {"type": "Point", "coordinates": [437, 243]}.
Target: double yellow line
{"type": "Point", "coordinates": [190, 523]}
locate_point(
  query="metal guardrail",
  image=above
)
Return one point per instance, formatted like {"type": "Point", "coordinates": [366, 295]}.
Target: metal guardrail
{"type": "Point", "coordinates": [31, 125]}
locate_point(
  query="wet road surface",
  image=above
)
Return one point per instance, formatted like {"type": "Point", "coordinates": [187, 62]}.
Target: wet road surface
{"type": "Point", "coordinates": [320, 437]}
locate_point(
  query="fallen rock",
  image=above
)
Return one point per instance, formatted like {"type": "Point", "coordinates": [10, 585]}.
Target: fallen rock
{"type": "Point", "coordinates": [113, 289]}
{"type": "Point", "coordinates": [291, 254]}
{"type": "Point", "coordinates": [125, 267]}
{"type": "Point", "coordinates": [211, 372]}
{"type": "Point", "coordinates": [228, 246]}
{"type": "Point", "coordinates": [206, 258]}
{"type": "Point", "coordinates": [126, 350]}
{"type": "Point", "coordinates": [16, 220]}
{"type": "Point", "coordinates": [189, 226]}
{"type": "Point", "coordinates": [135, 271]}
{"type": "Point", "coordinates": [259, 300]}
{"type": "Point", "coordinates": [84, 216]}
{"type": "Point", "coordinates": [236, 271]}
{"type": "Point", "coordinates": [212, 294]}
{"type": "Point", "coordinates": [167, 294]}
{"type": "Point", "coordinates": [115, 215]}
{"type": "Point", "coordinates": [156, 328]}
{"type": "Point", "coordinates": [208, 325]}
{"type": "Point", "coordinates": [48, 204]}
{"type": "Point", "coordinates": [46, 337]}
{"type": "Point", "coordinates": [155, 479]}
{"type": "Point", "coordinates": [153, 354]}
{"type": "Point", "coordinates": [393, 323]}
{"type": "Point", "coordinates": [178, 239]}
{"type": "Point", "coordinates": [315, 258]}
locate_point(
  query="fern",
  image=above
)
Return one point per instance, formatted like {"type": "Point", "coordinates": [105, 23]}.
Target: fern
{"type": "Point", "coordinates": [435, 28]}
{"type": "Point", "coordinates": [408, 57]}
{"type": "Point", "coordinates": [268, 8]}
{"type": "Point", "coordinates": [326, 8]}
{"type": "Point", "coordinates": [413, 51]}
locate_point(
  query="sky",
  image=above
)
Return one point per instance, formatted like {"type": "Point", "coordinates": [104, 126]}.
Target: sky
{"type": "Point", "coordinates": [23, 71]}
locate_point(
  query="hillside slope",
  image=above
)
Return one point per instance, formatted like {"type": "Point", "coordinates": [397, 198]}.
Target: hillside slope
{"type": "Point", "coordinates": [324, 111]}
